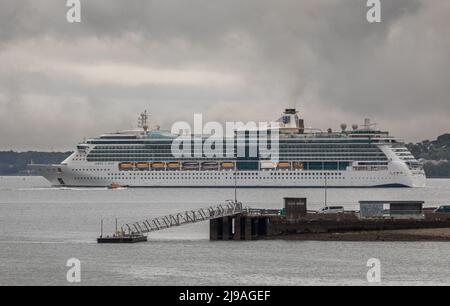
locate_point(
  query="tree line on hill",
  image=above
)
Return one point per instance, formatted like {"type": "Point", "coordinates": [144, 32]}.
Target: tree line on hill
{"type": "Point", "coordinates": [435, 155]}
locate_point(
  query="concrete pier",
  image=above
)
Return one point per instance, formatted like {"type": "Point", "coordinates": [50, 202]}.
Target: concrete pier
{"type": "Point", "coordinates": [214, 229]}
{"type": "Point", "coordinates": [226, 228]}
{"type": "Point", "coordinates": [296, 222]}
{"type": "Point", "coordinates": [231, 222]}
{"type": "Point", "coordinates": [243, 227]}
{"type": "Point", "coordinates": [239, 227]}
{"type": "Point", "coordinates": [247, 228]}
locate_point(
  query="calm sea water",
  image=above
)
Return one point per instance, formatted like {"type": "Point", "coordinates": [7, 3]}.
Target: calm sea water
{"type": "Point", "coordinates": [42, 227]}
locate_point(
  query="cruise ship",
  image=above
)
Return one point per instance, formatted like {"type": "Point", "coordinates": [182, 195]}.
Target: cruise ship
{"type": "Point", "coordinates": [360, 156]}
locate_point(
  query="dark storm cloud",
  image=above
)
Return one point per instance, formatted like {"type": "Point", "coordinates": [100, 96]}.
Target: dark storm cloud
{"type": "Point", "coordinates": [231, 60]}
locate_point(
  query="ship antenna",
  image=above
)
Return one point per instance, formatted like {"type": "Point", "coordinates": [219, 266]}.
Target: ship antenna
{"type": "Point", "coordinates": [143, 118]}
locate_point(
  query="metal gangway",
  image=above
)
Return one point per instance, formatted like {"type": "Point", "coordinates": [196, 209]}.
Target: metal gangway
{"type": "Point", "coordinates": [231, 208]}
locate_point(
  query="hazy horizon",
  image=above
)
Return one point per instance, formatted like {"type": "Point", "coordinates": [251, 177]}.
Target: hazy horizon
{"type": "Point", "coordinates": [230, 60]}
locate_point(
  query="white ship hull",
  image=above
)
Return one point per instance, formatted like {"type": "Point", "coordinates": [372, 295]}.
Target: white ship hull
{"type": "Point", "coordinates": [103, 175]}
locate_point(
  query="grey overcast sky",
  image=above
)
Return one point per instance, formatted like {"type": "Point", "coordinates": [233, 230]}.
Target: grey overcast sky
{"type": "Point", "coordinates": [228, 59]}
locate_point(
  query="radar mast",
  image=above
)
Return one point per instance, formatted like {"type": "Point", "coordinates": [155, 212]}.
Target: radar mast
{"type": "Point", "coordinates": [142, 121]}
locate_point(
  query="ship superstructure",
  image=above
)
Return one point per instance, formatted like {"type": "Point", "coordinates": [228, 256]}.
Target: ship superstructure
{"type": "Point", "coordinates": [357, 157]}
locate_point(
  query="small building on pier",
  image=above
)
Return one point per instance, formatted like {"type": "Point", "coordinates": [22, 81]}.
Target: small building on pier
{"type": "Point", "coordinates": [391, 209]}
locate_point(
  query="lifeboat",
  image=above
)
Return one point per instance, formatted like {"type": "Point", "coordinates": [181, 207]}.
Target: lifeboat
{"type": "Point", "coordinates": [190, 166]}
{"type": "Point", "coordinates": [126, 166]}
{"type": "Point", "coordinates": [284, 165]}
{"type": "Point", "coordinates": [173, 165]}
{"type": "Point", "coordinates": [158, 165]}
{"type": "Point", "coordinates": [227, 165]}
{"type": "Point", "coordinates": [143, 166]}
{"type": "Point", "coordinates": [210, 166]}
{"type": "Point", "coordinates": [268, 165]}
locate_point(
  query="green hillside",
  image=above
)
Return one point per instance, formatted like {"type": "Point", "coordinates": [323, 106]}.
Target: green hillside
{"type": "Point", "coordinates": [434, 154]}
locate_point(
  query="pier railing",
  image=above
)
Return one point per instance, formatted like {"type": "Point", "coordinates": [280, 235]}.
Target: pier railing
{"type": "Point", "coordinates": [187, 217]}
{"type": "Point", "coordinates": [261, 212]}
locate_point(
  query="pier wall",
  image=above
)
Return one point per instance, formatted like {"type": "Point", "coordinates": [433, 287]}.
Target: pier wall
{"type": "Point", "coordinates": [239, 228]}
{"type": "Point", "coordinates": [245, 227]}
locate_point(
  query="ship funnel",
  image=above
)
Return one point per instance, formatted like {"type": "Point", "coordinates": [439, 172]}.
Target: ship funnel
{"type": "Point", "coordinates": [291, 122]}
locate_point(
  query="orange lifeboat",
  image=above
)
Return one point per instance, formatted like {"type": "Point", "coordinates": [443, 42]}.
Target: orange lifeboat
{"type": "Point", "coordinates": [284, 165]}
{"type": "Point", "coordinates": [143, 165]}
{"type": "Point", "coordinates": [227, 165]}
{"type": "Point", "coordinates": [158, 165]}
{"type": "Point", "coordinates": [126, 166]}
{"type": "Point", "coordinates": [173, 165]}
